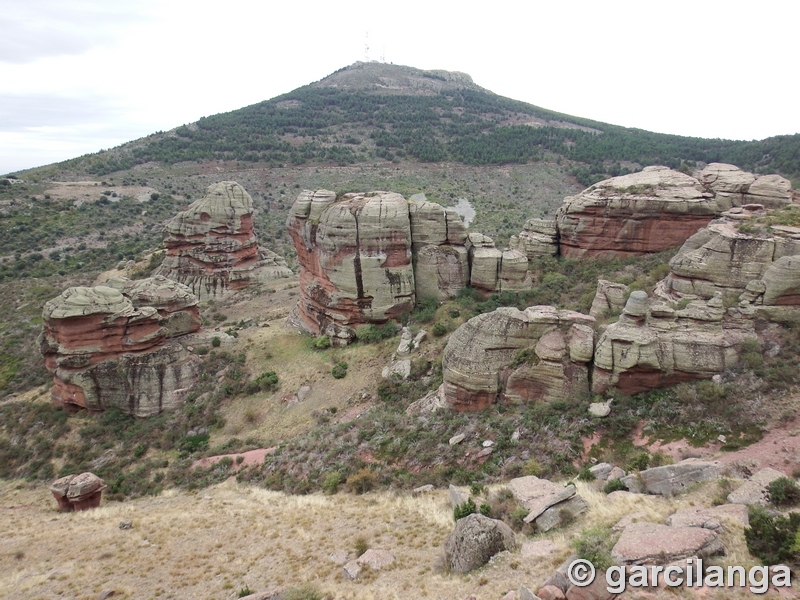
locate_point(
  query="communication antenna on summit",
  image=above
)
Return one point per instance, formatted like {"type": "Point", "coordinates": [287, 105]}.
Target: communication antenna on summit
{"type": "Point", "coordinates": [383, 55]}
{"type": "Point", "coordinates": [366, 47]}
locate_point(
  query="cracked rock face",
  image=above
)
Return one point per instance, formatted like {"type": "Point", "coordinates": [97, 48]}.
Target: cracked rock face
{"type": "Point", "coordinates": [105, 347]}
{"type": "Point", "coordinates": [366, 258]}
{"type": "Point", "coordinates": [762, 268]}
{"type": "Point", "coordinates": [355, 255]}
{"type": "Point", "coordinates": [539, 354]}
{"type": "Point", "coordinates": [211, 246]}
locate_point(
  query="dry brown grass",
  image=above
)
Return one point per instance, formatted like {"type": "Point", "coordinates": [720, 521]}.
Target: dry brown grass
{"type": "Point", "coordinates": [213, 543]}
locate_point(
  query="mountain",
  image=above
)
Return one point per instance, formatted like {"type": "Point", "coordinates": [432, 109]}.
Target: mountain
{"type": "Point", "coordinates": [374, 110]}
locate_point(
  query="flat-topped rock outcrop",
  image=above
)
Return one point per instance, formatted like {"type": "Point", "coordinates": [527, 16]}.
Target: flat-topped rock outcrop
{"type": "Point", "coordinates": [646, 212]}
{"type": "Point", "coordinates": [539, 354]}
{"type": "Point", "coordinates": [624, 216]}
{"type": "Point", "coordinates": [106, 347]}
{"type": "Point", "coordinates": [366, 258]}
{"type": "Point", "coordinates": [212, 248]}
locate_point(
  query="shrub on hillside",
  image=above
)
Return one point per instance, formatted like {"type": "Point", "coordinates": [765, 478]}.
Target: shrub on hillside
{"type": "Point", "coordinates": [784, 492]}
{"type": "Point", "coordinates": [773, 538]}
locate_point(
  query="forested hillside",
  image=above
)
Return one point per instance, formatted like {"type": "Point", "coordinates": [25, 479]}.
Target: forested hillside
{"type": "Point", "coordinates": [342, 125]}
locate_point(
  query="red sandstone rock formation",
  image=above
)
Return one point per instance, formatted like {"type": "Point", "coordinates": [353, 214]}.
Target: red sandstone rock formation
{"type": "Point", "coordinates": [355, 255]}
{"type": "Point", "coordinates": [211, 246]}
{"type": "Point", "coordinates": [634, 214]}
{"type": "Point", "coordinates": [78, 492]}
{"type": "Point", "coordinates": [105, 348]}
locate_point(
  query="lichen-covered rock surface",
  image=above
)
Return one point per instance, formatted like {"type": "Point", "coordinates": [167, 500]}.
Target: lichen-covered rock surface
{"type": "Point", "coordinates": [106, 347]}
{"type": "Point", "coordinates": [212, 248]}
{"type": "Point", "coordinates": [539, 354]}
{"type": "Point", "coordinates": [650, 211]}
{"type": "Point", "coordinates": [654, 345]}
{"type": "Point", "coordinates": [355, 257]}
{"type": "Point", "coordinates": [625, 216]}
{"type": "Point", "coordinates": [366, 258]}
{"type": "Point", "coordinates": [760, 267]}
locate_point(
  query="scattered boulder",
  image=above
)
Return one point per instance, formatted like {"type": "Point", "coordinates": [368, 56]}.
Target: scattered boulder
{"type": "Point", "coordinates": [430, 403]}
{"type": "Point", "coordinates": [627, 520]}
{"type": "Point", "coordinates": [212, 248]}
{"type": "Point", "coordinates": [710, 518]}
{"type": "Point", "coordinates": [423, 489]}
{"type": "Point", "coordinates": [351, 570]}
{"type": "Point", "coordinates": [475, 540]}
{"type": "Point", "coordinates": [539, 354]}
{"type": "Point", "coordinates": [561, 514]}
{"type": "Point", "coordinates": [755, 491]}
{"type": "Point", "coordinates": [126, 524]}
{"type": "Point", "coordinates": [668, 480]}
{"type": "Point", "coordinates": [651, 543]}
{"type": "Point", "coordinates": [600, 409]}
{"type": "Point", "coordinates": [376, 559]}
{"type": "Point", "coordinates": [525, 594]}
{"type": "Point", "coordinates": [78, 492]}
{"type": "Point", "coordinates": [550, 592]}
{"type": "Point", "coordinates": [606, 471]}
{"type": "Point", "coordinates": [549, 504]}
{"type": "Point", "coordinates": [106, 348]}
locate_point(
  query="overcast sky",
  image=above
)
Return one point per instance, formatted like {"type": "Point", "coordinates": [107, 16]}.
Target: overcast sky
{"type": "Point", "coordinates": [79, 76]}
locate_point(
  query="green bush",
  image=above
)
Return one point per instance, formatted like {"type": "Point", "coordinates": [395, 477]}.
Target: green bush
{"type": "Point", "coordinates": [595, 545]}
{"type": "Point", "coordinates": [339, 370]}
{"type": "Point", "coordinates": [773, 539]}
{"type": "Point", "coordinates": [266, 382]}
{"type": "Point", "coordinates": [216, 342]}
{"type": "Point", "coordinates": [464, 509]}
{"type": "Point", "coordinates": [640, 462]}
{"type": "Point", "coordinates": [784, 492]}
{"type": "Point", "coordinates": [485, 509]}
{"type": "Point", "coordinates": [304, 592]}
{"type": "Point", "coordinates": [332, 481]}
{"type": "Point", "coordinates": [439, 330]}
{"type": "Point", "coordinates": [586, 474]}
{"type": "Point", "coordinates": [614, 485]}
{"type": "Point", "coordinates": [371, 334]}
{"type": "Point", "coordinates": [323, 342]}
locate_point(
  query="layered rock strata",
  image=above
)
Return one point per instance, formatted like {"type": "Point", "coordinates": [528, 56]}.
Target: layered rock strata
{"type": "Point", "coordinates": [355, 257]}
{"type": "Point", "coordinates": [438, 240]}
{"type": "Point", "coordinates": [105, 347]}
{"type": "Point", "coordinates": [366, 258]}
{"type": "Point", "coordinates": [626, 215]}
{"type": "Point", "coordinates": [650, 211]}
{"type": "Point", "coordinates": [539, 237]}
{"type": "Point", "coordinates": [212, 248]}
{"type": "Point", "coordinates": [759, 267]}
{"type": "Point", "coordinates": [653, 346]}
{"type": "Point", "coordinates": [733, 187]}
{"type": "Point", "coordinates": [539, 354]}
{"type": "Point", "coordinates": [78, 492]}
